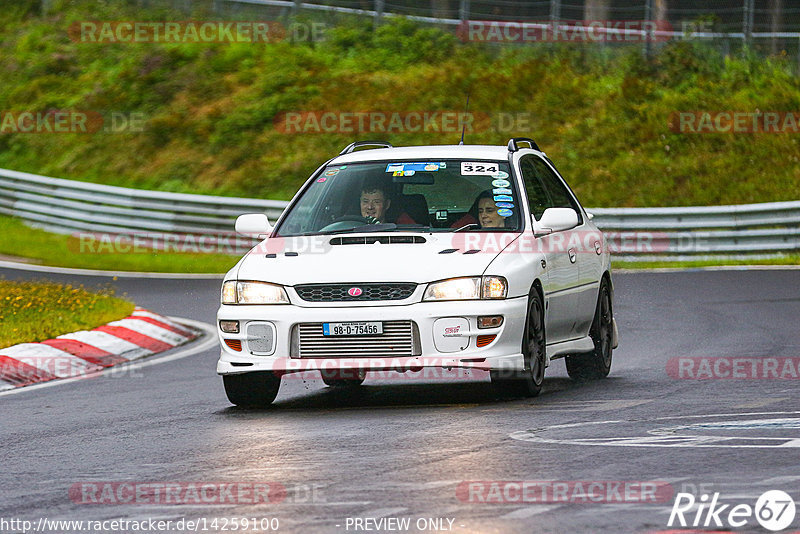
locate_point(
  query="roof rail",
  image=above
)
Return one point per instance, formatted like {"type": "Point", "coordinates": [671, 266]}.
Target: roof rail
{"type": "Point", "coordinates": [512, 143]}
{"type": "Point", "coordinates": [353, 146]}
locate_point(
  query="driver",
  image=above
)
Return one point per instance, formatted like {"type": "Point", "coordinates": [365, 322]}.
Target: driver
{"type": "Point", "coordinates": [374, 202]}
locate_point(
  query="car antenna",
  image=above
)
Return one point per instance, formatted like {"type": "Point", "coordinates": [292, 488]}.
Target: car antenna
{"type": "Point", "coordinates": [464, 128]}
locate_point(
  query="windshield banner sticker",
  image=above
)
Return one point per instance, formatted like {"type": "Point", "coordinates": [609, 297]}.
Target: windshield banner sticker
{"type": "Point", "coordinates": [418, 166]}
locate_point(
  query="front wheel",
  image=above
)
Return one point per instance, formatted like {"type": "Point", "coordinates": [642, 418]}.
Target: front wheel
{"type": "Point", "coordinates": [596, 364]}
{"type": "Point", "coordinates": [257, 389]}
{"type": "Point", "coordinates": [528, 382]}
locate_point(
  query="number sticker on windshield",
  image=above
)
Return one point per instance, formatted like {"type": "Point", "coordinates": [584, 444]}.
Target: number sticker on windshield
{"type": "Point", "coordinates": [477, 168]}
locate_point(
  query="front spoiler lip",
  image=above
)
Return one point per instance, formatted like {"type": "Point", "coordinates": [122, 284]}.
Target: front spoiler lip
{"type": "Point", "coordinates": [401, 364]}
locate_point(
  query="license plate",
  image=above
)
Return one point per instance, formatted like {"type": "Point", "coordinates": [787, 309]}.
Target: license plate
{"type": "Point", "coordinates": [361, 328]}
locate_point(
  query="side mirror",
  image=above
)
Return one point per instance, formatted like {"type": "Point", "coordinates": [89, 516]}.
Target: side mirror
{"type": "Point", "coordinates": [253, 225]}
{"type": "Point", "coordinates": [556, 220]}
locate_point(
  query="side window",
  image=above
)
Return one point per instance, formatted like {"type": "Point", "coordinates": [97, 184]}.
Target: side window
{"type": "Point", "coordinates": [559, 196]}
{"type": "Point", "coordinates": [538, 200]}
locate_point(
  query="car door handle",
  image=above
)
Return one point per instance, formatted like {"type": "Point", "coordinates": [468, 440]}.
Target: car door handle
{"type": "Point", "coordinates": [573, 255]}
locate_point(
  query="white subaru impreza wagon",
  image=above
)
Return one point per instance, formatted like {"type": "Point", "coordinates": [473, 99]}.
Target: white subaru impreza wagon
{"type": "Point", "coordinates": [405, 258]}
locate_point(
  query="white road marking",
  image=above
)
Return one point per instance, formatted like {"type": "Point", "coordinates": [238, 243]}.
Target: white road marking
{"type": "Point", "coordinates": [118, 274]}
{"type": "Point", "coordinates": [529, 511]}
{"type": "Point", "coordinates": [592, 405]}
{"type": "Point", "coordinates": [760, 403]}
{"type": "Point", "coordinates": [207, 341]}
{"type": "Point", "coordinates": [702, 441]}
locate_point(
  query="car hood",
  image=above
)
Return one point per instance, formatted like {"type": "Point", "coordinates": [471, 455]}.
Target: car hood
{"type": "Point", "coordinates": [372, 258]}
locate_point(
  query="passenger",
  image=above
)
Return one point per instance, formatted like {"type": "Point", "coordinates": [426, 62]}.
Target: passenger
{"type": "Point", "coordinates": [487, 212]}
{"type": "Point", "coordinates": [483, 213]}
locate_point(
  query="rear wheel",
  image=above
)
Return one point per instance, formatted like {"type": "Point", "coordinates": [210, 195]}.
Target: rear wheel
{"type": "Point", "coordinates": [252, 389]}
{"type": "Point", "coordinates": [348, 378]}
{"type": "Point", "coordinates": [527, 383]}
{"type": "Point", "coordinates": [596, 364]}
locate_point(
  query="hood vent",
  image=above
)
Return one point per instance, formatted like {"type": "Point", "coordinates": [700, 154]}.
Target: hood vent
{"type": "Point", "coordinates": [384, 239]}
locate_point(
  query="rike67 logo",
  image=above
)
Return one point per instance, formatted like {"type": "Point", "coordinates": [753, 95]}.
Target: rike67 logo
{"type": "Point", "coordinates": [774, 510]}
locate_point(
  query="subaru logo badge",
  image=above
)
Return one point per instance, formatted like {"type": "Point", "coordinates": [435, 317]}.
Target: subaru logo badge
{"type": "Point", "coordinates": [354, 291]}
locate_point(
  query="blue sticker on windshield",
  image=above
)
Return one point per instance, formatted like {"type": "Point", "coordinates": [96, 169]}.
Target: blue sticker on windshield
{"type": "Point", "coordinates": [504, 204]}
{"type": "Point", "coordinates": [504, 213]}
{"type": "Point", "coordinates": [501, 183]}
{"type": "Point", "coordinates": [500, 174]}
{"type": "Point", "coordinates": [503, 198]}
{"type": "Point", "coordinates": [416, 166]}
{"type": "Point", "coordinates": [502, 191]}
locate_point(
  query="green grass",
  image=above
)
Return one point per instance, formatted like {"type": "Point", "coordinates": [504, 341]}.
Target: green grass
{"type": "Point", "coordinates": [34, 311]}
{"type": "Point", "coordinates": [68, 251]}
{"type": "Point", "coordinates": [601, 113]}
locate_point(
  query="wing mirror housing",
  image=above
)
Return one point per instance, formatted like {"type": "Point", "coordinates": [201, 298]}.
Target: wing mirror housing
{"type": "Point", "coordinates": [253, 225]}
{"type": "Point", "coordinates": [555, 220]}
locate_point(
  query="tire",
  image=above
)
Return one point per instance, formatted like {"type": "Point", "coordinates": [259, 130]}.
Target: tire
{"type": "Point", "coordinates": [527, 383]}
{"type": "Point", "coordinates": [257, 389]}
{"type": "Point", "coordinates": [596, 364]}
{"type": "Point", "coordinates": [347, 378]}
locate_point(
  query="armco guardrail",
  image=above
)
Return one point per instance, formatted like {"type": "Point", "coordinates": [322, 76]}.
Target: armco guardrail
{"type": "Point", "coordinates": [69, 206]}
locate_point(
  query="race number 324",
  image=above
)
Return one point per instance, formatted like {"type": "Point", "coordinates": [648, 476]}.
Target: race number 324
{"type": "Point", "coordinates": [477, 168]}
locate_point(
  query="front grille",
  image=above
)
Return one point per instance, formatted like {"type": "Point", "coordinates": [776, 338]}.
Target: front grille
{"type": "Point", "coordinates": [399, 338]}
{"type": "Point", "coordinates": [339, 292]}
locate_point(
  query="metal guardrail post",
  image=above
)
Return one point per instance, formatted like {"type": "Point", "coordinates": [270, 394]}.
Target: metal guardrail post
{"type": "Point", "coordinates": [747, 22]}
{"type": "Point", "coordinates": [555, 12]}
{"type": "Point", "coordinates": [648, 17]}
{"type": "Point", "coordinates": [379, 5]}
{"type": "Point", "coordinates": [463, 11]}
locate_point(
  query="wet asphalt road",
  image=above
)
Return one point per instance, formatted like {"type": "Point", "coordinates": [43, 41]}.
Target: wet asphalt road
{"type": "Point", "coordinates": [398, 448]}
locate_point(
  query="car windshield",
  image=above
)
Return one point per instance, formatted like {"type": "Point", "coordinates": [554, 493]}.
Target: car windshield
{"type": "Point", "coordinates": [430, 196]}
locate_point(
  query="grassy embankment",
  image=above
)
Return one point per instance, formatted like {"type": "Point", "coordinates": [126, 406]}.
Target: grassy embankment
{"type": "Point", "coordinates": [212, 110]}
{"type": "Point", "coordinates": [35, 311]}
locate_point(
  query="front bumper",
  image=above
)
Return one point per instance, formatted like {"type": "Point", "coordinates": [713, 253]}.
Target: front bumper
{"type": "Point", "coordinates": [504, 352]}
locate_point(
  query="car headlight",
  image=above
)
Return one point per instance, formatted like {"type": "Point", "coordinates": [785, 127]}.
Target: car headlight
{"type": "Point", "coordinates": [471, 288]}
{"type": "Point", "coordinates": [239, 292]}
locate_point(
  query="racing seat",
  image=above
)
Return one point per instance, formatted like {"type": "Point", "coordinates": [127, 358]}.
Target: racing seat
{"type": "Point", "coordinates": [416, 207]}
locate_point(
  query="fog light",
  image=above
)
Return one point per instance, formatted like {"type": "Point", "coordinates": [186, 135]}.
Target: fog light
{"type": "Point", "coordinates": [229, 327]}
{"type": "Point", "coordinates": [482, 341]}
{"type": "Point", "coordinates": [490, 321]}
{"type": "Point", "coordinates": [234, 344]}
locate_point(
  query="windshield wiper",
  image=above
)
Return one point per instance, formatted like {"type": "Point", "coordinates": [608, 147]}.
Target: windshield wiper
{"type": "Point", "coordinates": [470, 225]}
